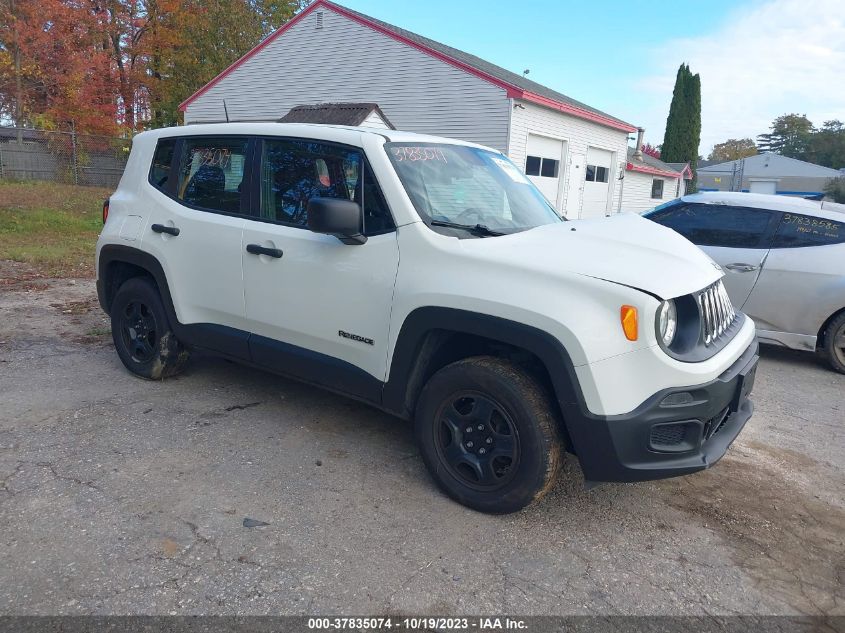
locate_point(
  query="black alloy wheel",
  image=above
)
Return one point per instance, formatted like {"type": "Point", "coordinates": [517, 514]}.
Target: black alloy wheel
{"type": "Point", "coordinates": [139, 331]}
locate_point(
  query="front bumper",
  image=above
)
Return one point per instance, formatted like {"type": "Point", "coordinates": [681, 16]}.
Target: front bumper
{"type": "Point", "coordinates": [675, 432]}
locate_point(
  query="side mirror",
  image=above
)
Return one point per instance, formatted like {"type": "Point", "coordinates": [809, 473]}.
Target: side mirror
{"type": "Point", "coordinates": [338, 217]}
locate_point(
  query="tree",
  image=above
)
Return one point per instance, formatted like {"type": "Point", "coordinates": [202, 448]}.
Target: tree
{"type": "Point", "coordinates": [733, 149]}
{"type": "Point", "coordinates": [789, 136]}
{"type": "Point", "coordinates": [835, 188]}
{"type": "Point", "coordinates": [827, 145]}
{"type": "Point", "coordinates": [53, 70]}
{"type": "Point", "coordinates": [110, 65]}
{"type": "Point", "coordinates": [651, 150]}
{"type": "Point", "coordinates": [683, 125]}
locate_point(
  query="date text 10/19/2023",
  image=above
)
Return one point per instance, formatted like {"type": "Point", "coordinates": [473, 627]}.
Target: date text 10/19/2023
{"type": "Point", "coordinates": [422, 623]}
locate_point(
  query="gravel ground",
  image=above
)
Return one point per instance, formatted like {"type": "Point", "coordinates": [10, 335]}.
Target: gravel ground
{"type": "Point", "coordinates": [120, 496]}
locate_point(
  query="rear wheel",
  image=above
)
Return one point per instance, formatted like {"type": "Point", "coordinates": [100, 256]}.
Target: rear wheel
{"type": "Point", "coordinates": [141, 332]}
{"type": "Point", "coordinates": [834, 343]}
{"type": "Point", "coordinates": [488, 434]}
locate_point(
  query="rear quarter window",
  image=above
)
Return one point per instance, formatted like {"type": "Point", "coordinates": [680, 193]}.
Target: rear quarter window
{"type": "Point", "coordinates": [162, 162]}
{"type": "Point", "coordinates": [797, 231]}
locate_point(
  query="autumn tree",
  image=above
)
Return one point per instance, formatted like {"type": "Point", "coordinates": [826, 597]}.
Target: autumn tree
{"type": "Point", "coordinates": [651, 150]}
{"type": "Point", "coordinates": [733, 149]}
{"type": "Point", "coordinates": [111, 65]}
{"type": "Point", "coordinates": [210, 36]}
{"type": "Point", "coordinates": [53, 70]}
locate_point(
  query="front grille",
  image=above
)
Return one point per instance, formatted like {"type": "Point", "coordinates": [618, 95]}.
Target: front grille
{"type": "Point", "coordinates": [717, 312]}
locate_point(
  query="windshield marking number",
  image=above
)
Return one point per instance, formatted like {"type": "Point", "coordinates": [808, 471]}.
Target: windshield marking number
{"type": "Point", "coordinates": [414, 154]}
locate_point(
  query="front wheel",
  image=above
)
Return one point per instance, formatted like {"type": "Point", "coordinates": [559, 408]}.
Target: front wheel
{"type": "Point", "coordinates": [834, 343]}
{"type": "Point", "coordinates": [488, 434]}
{"type": "Point", "coordinates": [141, 332]}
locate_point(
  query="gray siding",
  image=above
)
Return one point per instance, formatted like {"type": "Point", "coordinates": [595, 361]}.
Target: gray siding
{"type": "Point", "coordinates": [346, 61]}
{"type": "Point", "coordinates": [711, 181]}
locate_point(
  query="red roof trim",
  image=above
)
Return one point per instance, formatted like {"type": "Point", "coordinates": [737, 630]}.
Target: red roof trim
{"type": "Point", "coordinates": [513, 92]}
{"type": "Point", "coordinates": [653, 171]}
{"type": "Point", "coordinates": [578, 112]}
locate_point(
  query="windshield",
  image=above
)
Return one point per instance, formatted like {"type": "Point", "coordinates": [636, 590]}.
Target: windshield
{"type": "Point", "coordinates": [479, 190]}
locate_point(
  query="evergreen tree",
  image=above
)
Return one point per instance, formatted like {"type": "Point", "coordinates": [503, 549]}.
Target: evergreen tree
{"type": "Point", "coordinates": [683, 125]}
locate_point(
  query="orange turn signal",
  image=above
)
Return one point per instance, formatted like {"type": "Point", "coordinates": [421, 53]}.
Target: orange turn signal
{"type": "Point", "coordinates": [630, 323]}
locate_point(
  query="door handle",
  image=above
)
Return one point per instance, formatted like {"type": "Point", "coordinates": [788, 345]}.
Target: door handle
{"type": "Point", "coordinates": [257, 249]}
{"type": "Point", "coordinates": [741, 268]}
{"type": "Point", "coordinates": [161, 228]}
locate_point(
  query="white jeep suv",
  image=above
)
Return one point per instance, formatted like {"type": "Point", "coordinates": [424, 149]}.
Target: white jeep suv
{"type": "Point", "coordinates": [429, 278]}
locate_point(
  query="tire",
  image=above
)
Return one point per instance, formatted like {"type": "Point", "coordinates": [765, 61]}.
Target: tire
{"type": "Point", "coordinates": [834, 343]}
{"type": "Point", "coordinates": [489, 434]}
{"type": "Point", "coordinates": [142, 334]}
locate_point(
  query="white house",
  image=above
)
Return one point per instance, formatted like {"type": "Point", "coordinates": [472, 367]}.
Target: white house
{"type": "Point", "coordinates": [649, 181]}
{"type": "Point", "coordinates": [330, 54]}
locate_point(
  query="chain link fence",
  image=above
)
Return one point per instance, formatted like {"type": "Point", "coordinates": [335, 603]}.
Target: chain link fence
{"type": "Point", "coordinates": [77, 159]}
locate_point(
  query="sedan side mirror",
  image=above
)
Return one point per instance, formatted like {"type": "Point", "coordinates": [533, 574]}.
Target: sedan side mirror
{"type": "Point", "coordinates": [338, 217]}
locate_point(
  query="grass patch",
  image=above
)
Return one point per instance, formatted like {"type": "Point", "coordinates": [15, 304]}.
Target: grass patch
{"type": "Point", "coordinates": [51, 226]}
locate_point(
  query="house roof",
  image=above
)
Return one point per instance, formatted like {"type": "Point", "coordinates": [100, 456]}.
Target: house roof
{"type": "Point", "coordinates": [651, 165]}
{"type": "Point", "coordinates": [771, 166]}
{"type": "Point", "coordinates": [334, 113]}
{"type": "Point", "coordinates": [517, 86]}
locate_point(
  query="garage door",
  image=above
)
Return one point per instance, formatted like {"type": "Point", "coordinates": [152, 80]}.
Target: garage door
{"type": "Point", "coordinates": [597, 183]}
{"type": "Point", "coordinates": [763, 186]}
{"type": "Point", "coordinates": [542, 165]}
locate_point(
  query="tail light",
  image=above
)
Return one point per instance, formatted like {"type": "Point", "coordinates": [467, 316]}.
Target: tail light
{"type": "Point", "coordinates": [105, 210]}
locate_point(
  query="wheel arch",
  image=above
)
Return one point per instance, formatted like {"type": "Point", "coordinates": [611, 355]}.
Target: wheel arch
{"type": "Point", "coordinates": [820, 338]}
{"type": "Point", "coordinates": [118, 263]}
{"type": "Point", "coordinates": [433, 337]}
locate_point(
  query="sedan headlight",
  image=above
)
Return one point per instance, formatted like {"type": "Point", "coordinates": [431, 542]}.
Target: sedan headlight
{"type": "Point", "coordinates": [667, 322]}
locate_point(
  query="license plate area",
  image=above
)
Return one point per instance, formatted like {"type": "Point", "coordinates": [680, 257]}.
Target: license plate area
{"type": "Point", "coordinates": [745, 384]}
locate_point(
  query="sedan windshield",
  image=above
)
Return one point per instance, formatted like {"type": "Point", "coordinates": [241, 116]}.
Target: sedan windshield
{"type": "Point", "coordinates": [467, 191]}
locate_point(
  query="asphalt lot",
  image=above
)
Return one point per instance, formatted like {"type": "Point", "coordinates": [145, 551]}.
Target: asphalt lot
{"type": "Point", "coordinates": [120, 496]}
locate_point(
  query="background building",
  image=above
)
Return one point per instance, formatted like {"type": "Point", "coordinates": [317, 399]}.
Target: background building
{"type": "Point", "coordinates": [649, 181]}
{"type": "Point", "coordinates": [767, 173]}
{"type": "Point", "coordinates": [330, 54]}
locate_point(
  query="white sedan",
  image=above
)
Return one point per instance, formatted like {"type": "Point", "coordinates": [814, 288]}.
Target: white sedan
{"type": "Point", "coordinates": [784, 262]}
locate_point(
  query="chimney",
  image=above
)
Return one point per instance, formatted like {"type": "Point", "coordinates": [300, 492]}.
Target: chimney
{"type": "Point", "coordinates": [638, 151]}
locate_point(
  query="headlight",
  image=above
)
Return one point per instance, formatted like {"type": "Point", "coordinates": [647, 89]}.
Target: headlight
{"type": "Point", "coordinates": [667, 322]}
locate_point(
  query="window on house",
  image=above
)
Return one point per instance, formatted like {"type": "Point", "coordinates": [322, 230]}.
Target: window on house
{"type": "Point", "coordinates": [545, 167]}
{"type": "Point", "coordinates": [596, 173]}
{"type": "Point", "coordinates": [657, 188]}
{"type": "Point", "coordinates": [550, 168]}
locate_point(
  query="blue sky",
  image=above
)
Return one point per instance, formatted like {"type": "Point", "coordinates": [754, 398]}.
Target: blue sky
{"type": "Point", "coordinates": [757, 59]}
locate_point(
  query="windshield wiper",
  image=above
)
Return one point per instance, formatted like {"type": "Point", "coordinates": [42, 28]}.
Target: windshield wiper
{"type": "Point", "coordinates": [477, 229]}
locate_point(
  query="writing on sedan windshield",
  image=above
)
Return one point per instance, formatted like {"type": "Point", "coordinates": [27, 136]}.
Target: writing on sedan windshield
{"type": "Point", "coordinates": [409, 153]}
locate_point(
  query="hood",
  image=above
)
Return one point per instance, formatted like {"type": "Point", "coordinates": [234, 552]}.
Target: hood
{"type": "Point", "coordinates": [624, 249]}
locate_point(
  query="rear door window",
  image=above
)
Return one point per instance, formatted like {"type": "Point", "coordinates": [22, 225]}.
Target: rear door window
{"type": "Point", "coordinates": [211, 173]}
{"type": "Point", "coordinates": [796, 231]}
{"type": "Point", "coordinates": [719, 225]}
